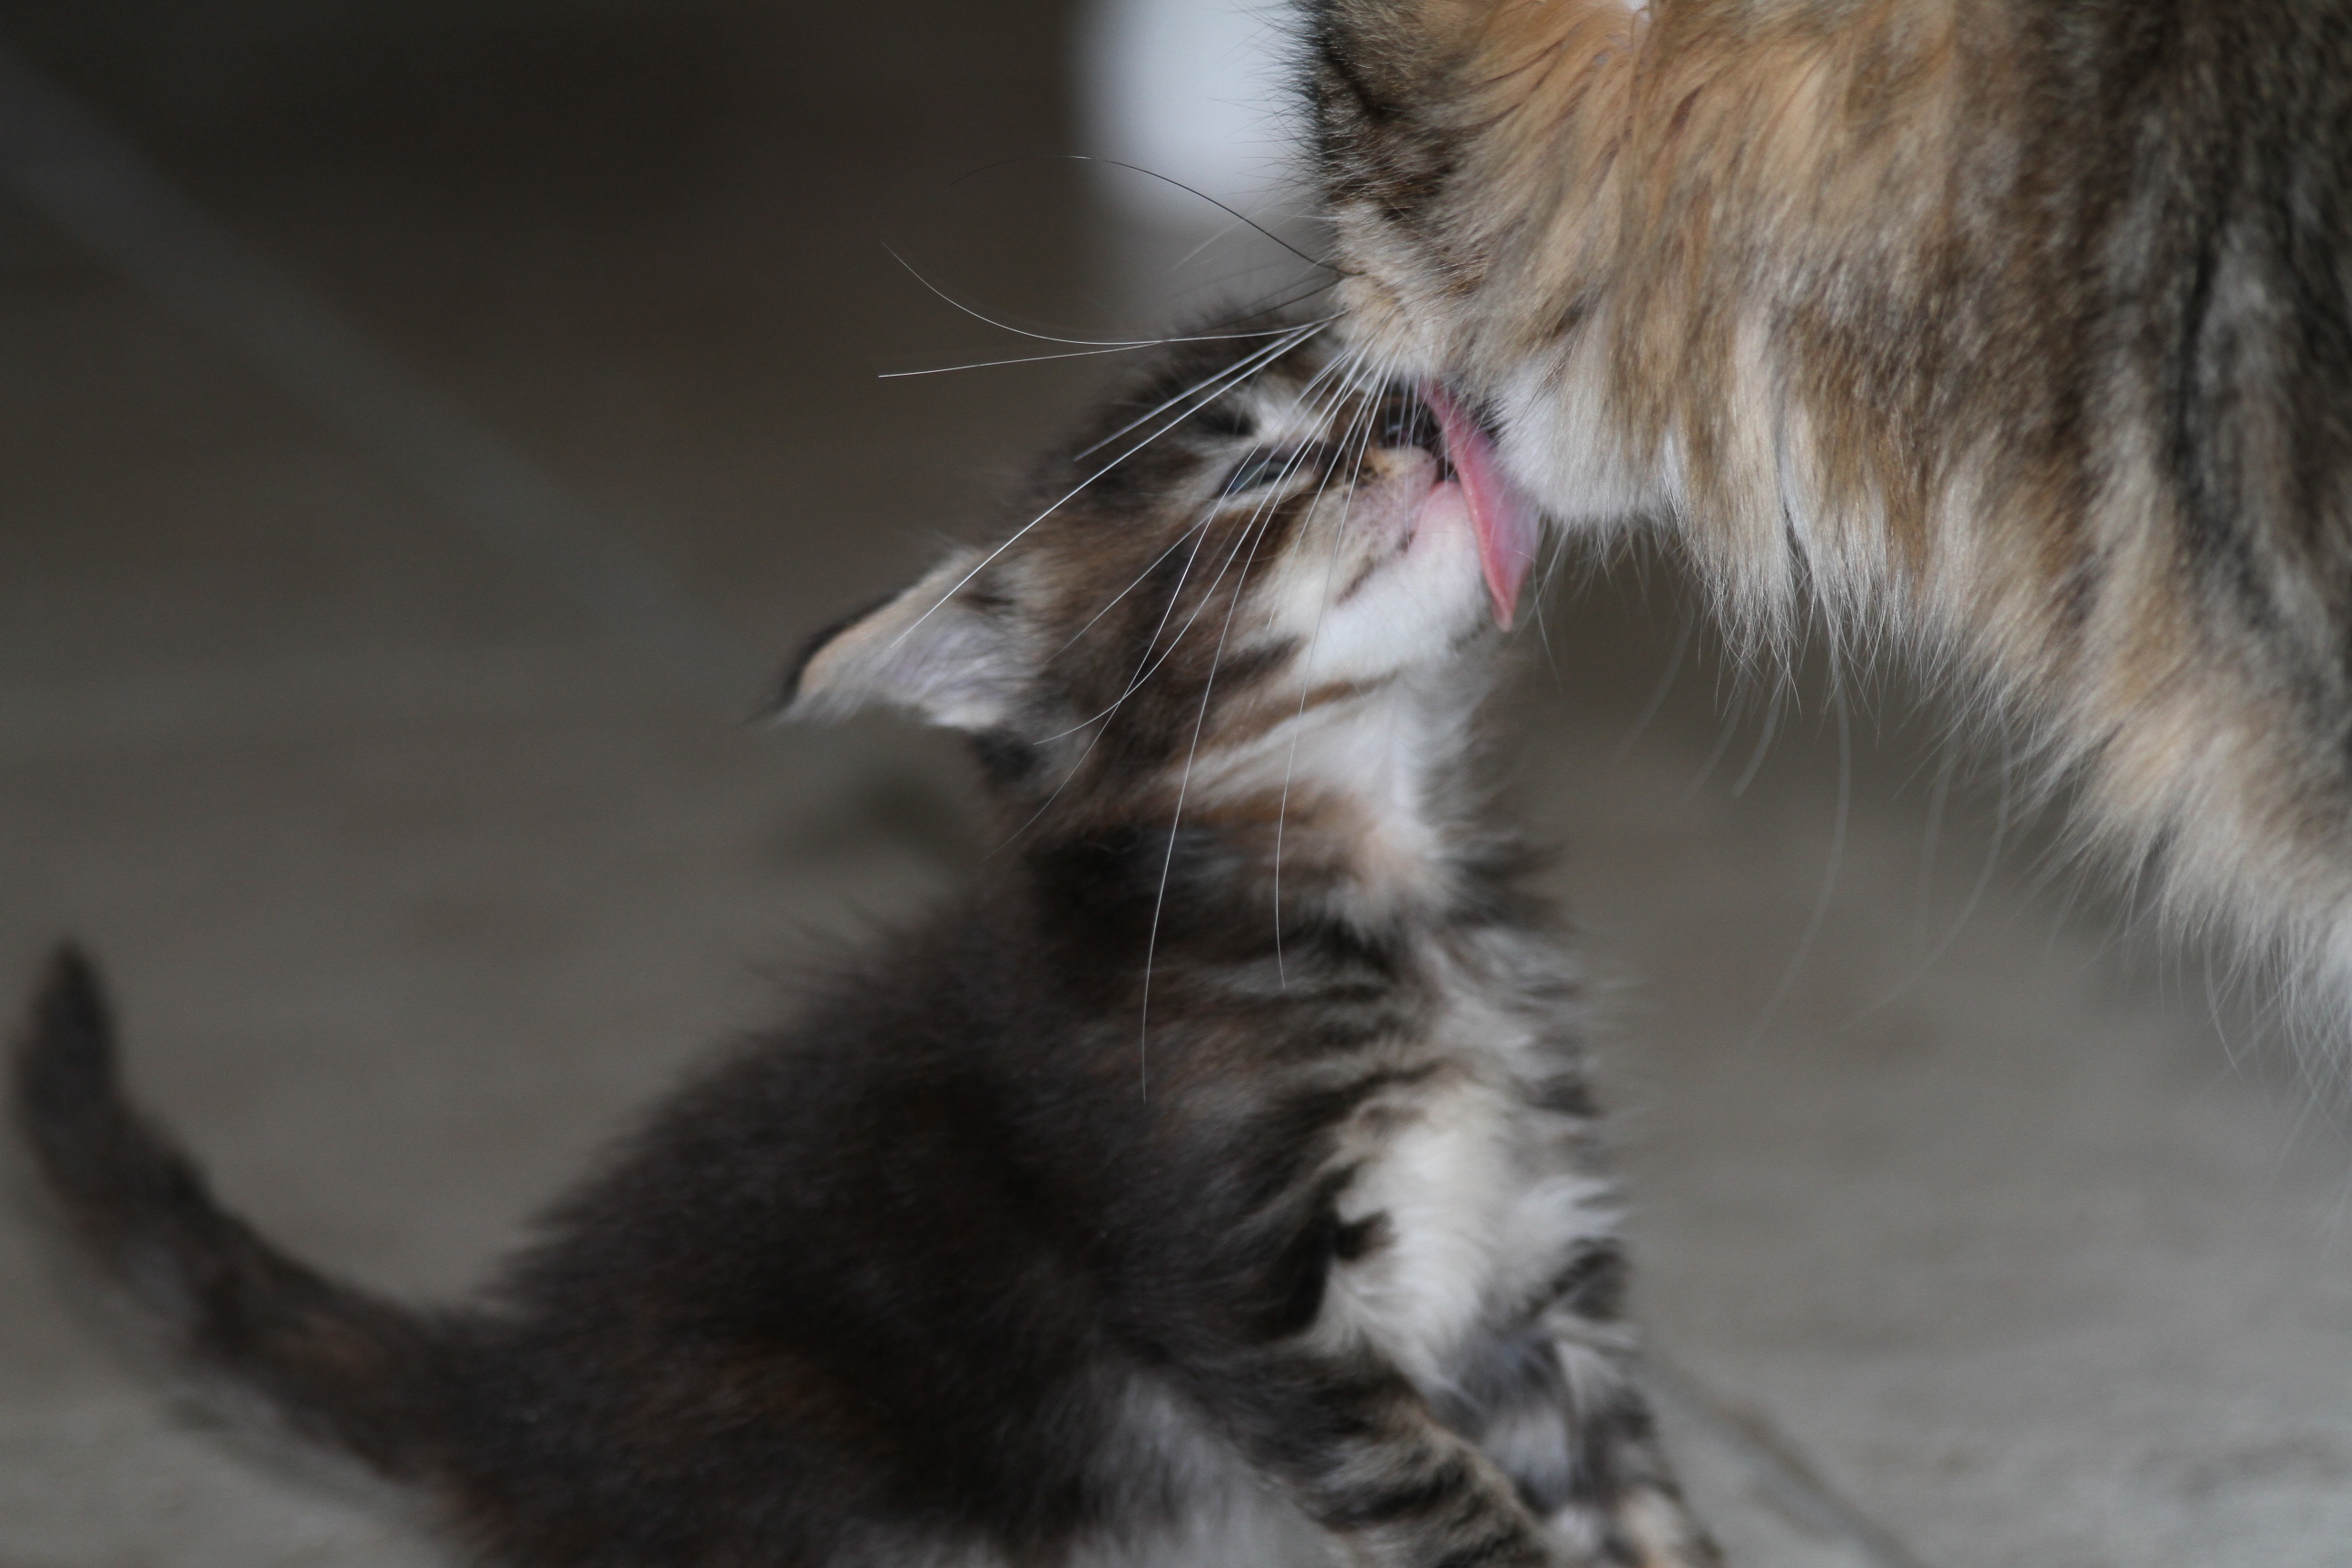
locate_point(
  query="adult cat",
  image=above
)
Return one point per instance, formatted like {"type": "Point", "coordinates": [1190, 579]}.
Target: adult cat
{"type": "Point", "coordinates": [2019, 329]}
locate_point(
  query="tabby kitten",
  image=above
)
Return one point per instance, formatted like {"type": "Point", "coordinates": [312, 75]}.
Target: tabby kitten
{"type": "Point", "coordinates": [2019, 329]}
{"type": "Point", "coordinates": [1215, 1183]}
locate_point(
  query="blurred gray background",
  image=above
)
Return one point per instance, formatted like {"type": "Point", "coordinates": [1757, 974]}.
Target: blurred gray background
{"type": "Point", "coordinates": [372, 698]}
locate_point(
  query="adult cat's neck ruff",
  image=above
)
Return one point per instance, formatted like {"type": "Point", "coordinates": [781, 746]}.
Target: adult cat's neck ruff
{"type": "Point", "coordinates": [2017, 332]}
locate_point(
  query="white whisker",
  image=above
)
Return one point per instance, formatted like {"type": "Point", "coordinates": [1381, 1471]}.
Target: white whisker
{"type": "Point", "coordinates": [1361, 375]}
{"type": "Point", "coordinates": [1658, 694]}
{"type": "Point", "coordinates": [1139, 579]}
{"type": "Point", "coordinates": [1198, 533]}
{"type": "Point", "coordinates": [1145, 674]}
{"type": "Point", "coordinates": [1215, 385]}
{"type": "Point", "coordinates": [1006, 326]}
{"type": "Point", "coordinates": [1230, 376]}
{"type": "Point", "coordinates": [1289, 468]}
{"type": "Point", "coordinates": [1106, 348]}
{"type": "Point", "coordinates": [1000, 363]}
{"type": "Point", "coordinates": [1789, 976]}
{"type": "Point", "coordinates": [1236, 214]}
{"type": "Point", "coordinates": [1773, 704]}
{"type": "Point", "coordinates": [1254, 535]}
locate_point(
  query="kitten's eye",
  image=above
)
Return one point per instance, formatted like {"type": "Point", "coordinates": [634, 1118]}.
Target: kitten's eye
{"type": "Point", "coordinates": [1223, 419]}
{"type": "Point", "coordinates": [1261, 468]}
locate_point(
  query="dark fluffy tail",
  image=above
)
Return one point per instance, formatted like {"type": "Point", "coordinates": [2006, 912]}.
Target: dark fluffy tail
{"type": "Point", "coordinates": [339, 1367]}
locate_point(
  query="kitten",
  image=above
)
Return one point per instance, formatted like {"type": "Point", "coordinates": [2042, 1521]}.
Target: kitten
{"type": "Point", "coordinates": [1216, 1182]}
{"type": "Point", "coordinates": [2021, 329]}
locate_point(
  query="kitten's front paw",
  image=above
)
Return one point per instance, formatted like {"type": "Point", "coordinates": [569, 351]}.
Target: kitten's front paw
{"type": "Point", "coordinates": [1645, 1528]}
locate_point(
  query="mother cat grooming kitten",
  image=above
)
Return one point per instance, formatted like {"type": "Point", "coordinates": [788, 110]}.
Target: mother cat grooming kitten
{"type": "Point", "coordinates": [2021, 329]}
{"type": "Point", "coordinates": [1216, 1184]}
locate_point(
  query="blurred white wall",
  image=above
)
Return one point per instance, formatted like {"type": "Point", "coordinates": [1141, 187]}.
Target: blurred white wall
{"type": "Point", "coordinates": [1197, 92]}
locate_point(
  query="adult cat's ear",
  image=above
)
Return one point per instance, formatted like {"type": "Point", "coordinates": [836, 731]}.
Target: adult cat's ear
{"type": "Point", "coordinates": [944, 648]}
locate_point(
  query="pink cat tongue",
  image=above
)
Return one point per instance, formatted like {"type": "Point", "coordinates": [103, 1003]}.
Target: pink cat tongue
{"type": "Point", "coordinates": [1505, 523]}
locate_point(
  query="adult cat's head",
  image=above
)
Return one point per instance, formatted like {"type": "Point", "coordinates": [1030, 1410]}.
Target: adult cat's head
{"type": "Point", "coordinates": [2014, 330]}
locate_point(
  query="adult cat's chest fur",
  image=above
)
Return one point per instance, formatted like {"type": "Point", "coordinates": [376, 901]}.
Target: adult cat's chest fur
{"type": "Point", "coordinates": [2014, 332]}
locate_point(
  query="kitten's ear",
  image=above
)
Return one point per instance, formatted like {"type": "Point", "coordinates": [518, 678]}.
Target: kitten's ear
{"type": "Point", "coordinates": [942, 649]}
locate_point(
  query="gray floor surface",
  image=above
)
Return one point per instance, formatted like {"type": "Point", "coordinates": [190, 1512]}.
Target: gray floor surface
{"type": "Point", "coordinates": [416, 877]}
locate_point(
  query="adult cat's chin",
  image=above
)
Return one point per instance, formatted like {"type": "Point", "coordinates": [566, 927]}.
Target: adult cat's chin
{"type": "Point", "coordinates": [1537, 439]}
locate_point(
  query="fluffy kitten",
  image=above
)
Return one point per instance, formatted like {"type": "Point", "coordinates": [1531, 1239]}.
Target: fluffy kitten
{"type": "Point", "coordinates": [2019, 329]}
{"type": "Point", "coordinates": [1216, 1184]}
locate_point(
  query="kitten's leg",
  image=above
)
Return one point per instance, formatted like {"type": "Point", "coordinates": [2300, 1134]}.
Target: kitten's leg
{"type": "Point", "coordinates": [1623, 1503]}
{"type": "Point", "coordinates": [1290, 1330]}
{"type": "Point", "coordinates": [1620, 1500]}
{"type": "Point", "coordinates": [1557, 1405]}
{"type": "Point", "coordinates": [1360, 1451]}
{"type": "Point", "coordinates": [1366, 1455]}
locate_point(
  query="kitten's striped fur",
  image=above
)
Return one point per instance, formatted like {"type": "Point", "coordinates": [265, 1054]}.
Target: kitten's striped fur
{"type": "Point", "coordinates": [1217, 1184]}
{"type": "Point", "coordinates": [2019, 329]}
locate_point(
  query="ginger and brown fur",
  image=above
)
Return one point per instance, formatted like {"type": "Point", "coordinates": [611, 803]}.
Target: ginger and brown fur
{"type": "Point", "coordinates": [2018, 329]}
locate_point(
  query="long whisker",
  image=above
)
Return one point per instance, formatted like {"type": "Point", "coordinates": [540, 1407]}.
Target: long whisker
{"type": "Point", "coordinates": [1290, 466]}
{"type": "Point", "coordinates": [1237, 215]}
{"type": "Point", "coordinates": [1006, 326]}
{"type": "Point", "coordinates": [1197, 532]}
{"type": "Point", "coordinates": [1208, 389]}
{"type": "Point", "coordinates": [1231, 278]}
{"type": "Point", "coordinates": [1260, 526]}
{"type": "Point", "coordinates": [1275, 307]}
{"type": "Point", "coordinates": [1154, 174]}
{"type": "Point", "coordinates": [1021, 359]}
{"type": "Point", "coordinates": [1298, 335]}
{"type": "Point", "coordinates": [1178, 264]}
{"type": "Point", "coordinates": [1106, 348]}
{"type": "Point", "coordinates": [1788, 977]}
{"type": "Point", "coordinates": [1137, 581]}
{"type": "Point", "coordinates": [1361, 375]}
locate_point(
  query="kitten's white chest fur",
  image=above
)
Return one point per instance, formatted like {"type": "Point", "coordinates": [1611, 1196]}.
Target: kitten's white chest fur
{"type": "Point", "coordinates": [1484, 1193]}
